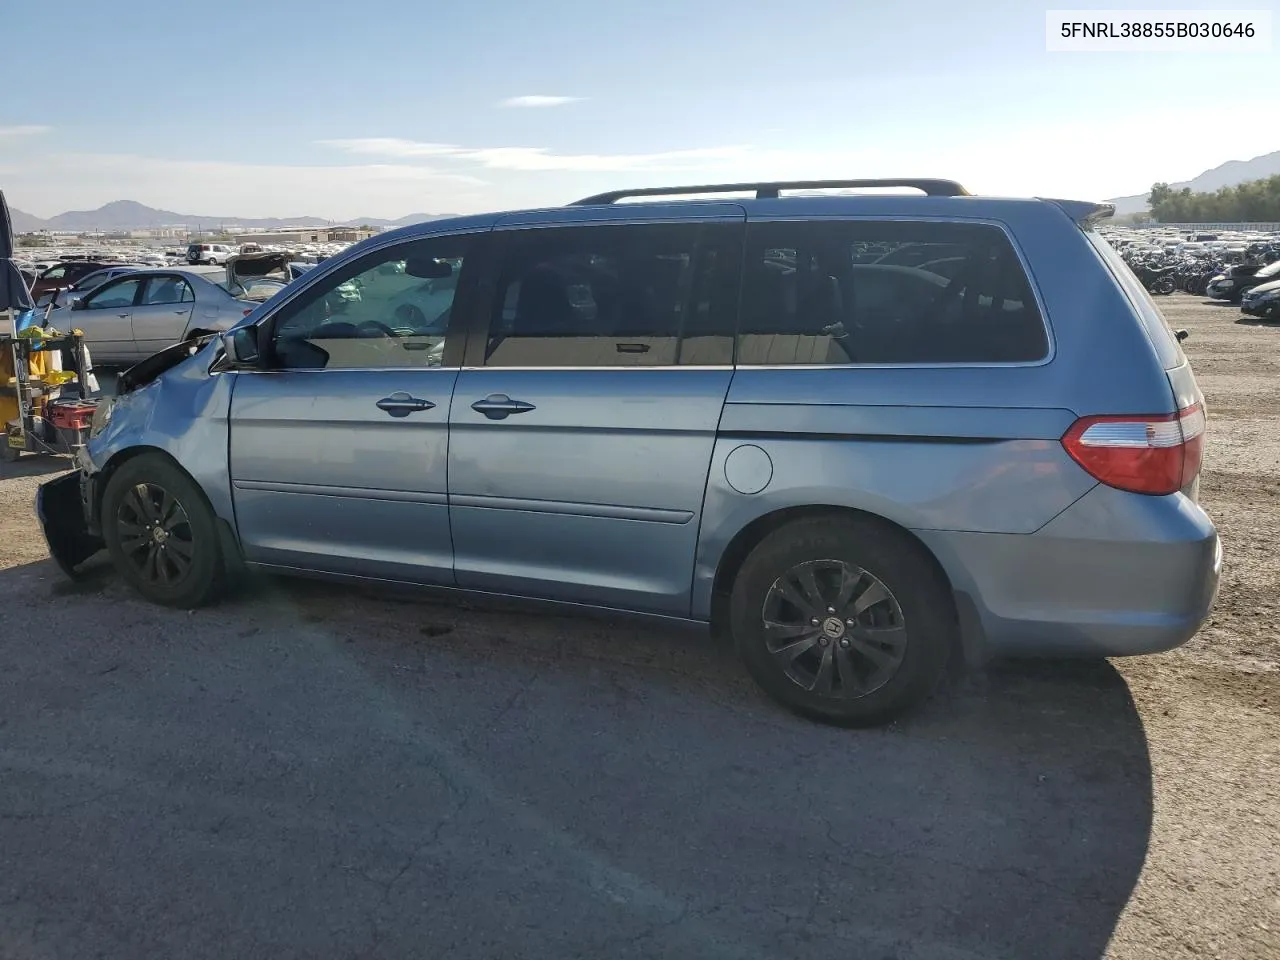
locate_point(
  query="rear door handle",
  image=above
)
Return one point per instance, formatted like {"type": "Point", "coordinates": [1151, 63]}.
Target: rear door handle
{"type": "Point", "coordinates": [401, 404]}
{"type": "Point", "coordinates": [498, 406]}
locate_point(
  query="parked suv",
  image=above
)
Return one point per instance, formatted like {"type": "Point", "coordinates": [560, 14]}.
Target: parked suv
{"type": "Point", "coordinates": [862, 434]}
{"type": "Point", "coordinates": [209, 253]}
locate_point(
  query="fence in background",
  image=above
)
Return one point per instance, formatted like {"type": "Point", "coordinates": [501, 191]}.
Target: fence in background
{"type": "Point", "coordinates": [1212, 227]}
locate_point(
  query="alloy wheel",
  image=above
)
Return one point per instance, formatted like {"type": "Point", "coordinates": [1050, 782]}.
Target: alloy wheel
{"type": "Point", "coordinates": [834, 629]}
{"type": "Point", "coordinates": [155, 534]}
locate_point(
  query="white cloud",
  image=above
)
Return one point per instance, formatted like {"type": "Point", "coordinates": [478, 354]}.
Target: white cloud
{"type": "Point", "coordinates": [27, 130]}
{"type": "Point", "coordinates": [538, 100]}
{"type": "Point", "coordinates": [540, 159]}
{"type": "Point", "coordinates": [392, 147]}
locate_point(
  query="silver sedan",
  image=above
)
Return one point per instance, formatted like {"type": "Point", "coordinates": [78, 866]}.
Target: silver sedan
{"type": "Point", "coordinates": [131, 317]}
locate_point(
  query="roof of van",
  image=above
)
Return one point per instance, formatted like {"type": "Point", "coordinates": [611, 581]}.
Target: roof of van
{"type": "Point", "coordinates": [797, 205]}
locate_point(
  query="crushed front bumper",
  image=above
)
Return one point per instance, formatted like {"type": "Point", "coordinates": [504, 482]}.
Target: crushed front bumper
{"type": "Point", "coordinates": [64, 508]}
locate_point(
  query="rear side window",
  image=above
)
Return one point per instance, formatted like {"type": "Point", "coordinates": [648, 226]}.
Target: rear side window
{"type": "Point", "coordinates": [1158, 330]}
{"type": "Point", "coordinates": [615, 296]}
{"type": "Point", "coordinates": [162, 290]}
{"type": "Point", "coordinates": [837, 292]}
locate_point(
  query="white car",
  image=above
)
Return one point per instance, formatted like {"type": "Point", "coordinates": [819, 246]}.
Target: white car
{"type": "Point", "coordinates": [211, 253]}
{"type": "Point", "coordinates": [131, 317]}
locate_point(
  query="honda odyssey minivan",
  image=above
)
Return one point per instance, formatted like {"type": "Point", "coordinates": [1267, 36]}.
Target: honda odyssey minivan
{"type": "Point", "coordinates": [863, 434]}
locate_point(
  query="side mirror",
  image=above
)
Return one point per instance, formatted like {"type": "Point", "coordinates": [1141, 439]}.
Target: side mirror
{"type": "Point", "coordinates": [241, 346]}
{"type": "Point", "coordinates": [1182, 335]}
{"type": "Point", "coordinates": [78, 304]}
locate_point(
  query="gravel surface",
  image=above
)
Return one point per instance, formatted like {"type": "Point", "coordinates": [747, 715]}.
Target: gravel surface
{"type": "Point", "coordinates": [308, 772]}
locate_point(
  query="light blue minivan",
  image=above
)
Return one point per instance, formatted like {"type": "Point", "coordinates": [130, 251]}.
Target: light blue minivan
{"type": "Point", "coordinates": [863, 433]}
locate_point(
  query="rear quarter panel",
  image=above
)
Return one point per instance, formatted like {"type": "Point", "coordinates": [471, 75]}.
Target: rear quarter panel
{"type": "Point", "coordinates": [950, 448]}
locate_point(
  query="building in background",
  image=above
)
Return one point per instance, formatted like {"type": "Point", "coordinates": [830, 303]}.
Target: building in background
{"type": "Point", "coordinates": [307, 235]}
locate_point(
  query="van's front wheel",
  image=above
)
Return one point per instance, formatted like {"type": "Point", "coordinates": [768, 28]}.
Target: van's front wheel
{"type": "Point", "coordinates": [162, 534]}
{"type": "Point", "coordinates": [842, 621]}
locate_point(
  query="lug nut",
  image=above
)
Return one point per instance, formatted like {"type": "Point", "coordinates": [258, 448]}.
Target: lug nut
{"type": "Point", "coordinates": [845, 643]}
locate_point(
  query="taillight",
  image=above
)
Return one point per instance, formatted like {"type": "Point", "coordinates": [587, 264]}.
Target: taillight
{"type": "Point", "coordinates": [1156, 455]}
{"type": "Point", "coordinates": [249, 311]}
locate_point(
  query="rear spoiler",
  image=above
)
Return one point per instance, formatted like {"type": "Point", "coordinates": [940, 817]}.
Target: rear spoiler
{"type": "Point", "coordinates": [1083, 212]}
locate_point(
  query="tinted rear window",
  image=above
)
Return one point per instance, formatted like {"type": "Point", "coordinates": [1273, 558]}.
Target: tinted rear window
{"type": "Point", "coordinates": [836, 292]}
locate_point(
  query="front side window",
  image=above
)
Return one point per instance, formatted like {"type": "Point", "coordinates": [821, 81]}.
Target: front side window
{"type": "Point", "coordinates": [897, 292]}
{"type": "Point", "coordinates": [54, 273]}
{"type": "Point", "coordinates": [639, 295]}
{"type": "Point", "coordinates": [390, 308]}
{"type": "Point", "coordinates": [119, 293]}
{"type": "Point", "coordinates": [167, 290]}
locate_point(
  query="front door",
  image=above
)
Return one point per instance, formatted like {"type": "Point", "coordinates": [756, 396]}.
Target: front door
{"type": "Point", "coordinates": [584, 419]}
{"type": "Point", "coordinates": [339, 450]}
{"type": "Point", "coordinates": [105, 315]}
{"type": "Point", "coordinates": [161, 315]}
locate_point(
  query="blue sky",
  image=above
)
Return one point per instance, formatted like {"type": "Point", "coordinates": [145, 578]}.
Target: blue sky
{"type": "Point", "coordinates": [372, 108]}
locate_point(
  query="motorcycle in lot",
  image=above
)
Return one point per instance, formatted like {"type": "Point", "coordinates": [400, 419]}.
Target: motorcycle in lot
{"type": "Point", "coordinates": [1157, 277]}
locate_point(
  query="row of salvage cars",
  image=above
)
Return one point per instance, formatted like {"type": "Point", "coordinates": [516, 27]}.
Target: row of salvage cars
{"type": "Point", "coordinates": [1256, 287]}
{"type": "Point", "coordinates": [133, 313]}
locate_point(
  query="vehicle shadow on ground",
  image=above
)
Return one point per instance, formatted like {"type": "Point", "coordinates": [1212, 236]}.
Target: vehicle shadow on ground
{"type": "Point", "coordinates": [1249, 321]}
{"type": "Point", "coordinates": [516, 783]}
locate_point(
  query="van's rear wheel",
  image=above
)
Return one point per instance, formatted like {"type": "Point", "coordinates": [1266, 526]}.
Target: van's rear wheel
{"type": "Point", "coordinates": [161, 533]}
{"type": "Point", "coordinates": [842, 621]}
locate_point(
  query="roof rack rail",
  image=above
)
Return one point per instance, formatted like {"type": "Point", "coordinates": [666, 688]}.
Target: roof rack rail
{"type": "Point", "coordinates": [770, 190]}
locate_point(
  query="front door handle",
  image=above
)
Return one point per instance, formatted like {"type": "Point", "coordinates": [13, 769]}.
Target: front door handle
{"type": "Point", "coordinates": [401, 404]}
{"type": "Point", "coordinates": [498, 406]}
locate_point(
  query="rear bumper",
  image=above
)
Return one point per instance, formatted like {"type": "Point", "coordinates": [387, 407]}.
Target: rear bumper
{"type": "Point", "coordinates": [1116, 574]}
{"type": "Point", "coordinates": [62, 509]}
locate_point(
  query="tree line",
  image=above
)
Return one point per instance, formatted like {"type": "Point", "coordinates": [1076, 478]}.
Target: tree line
{"type": "Point", "coordinates": [1251, 202]}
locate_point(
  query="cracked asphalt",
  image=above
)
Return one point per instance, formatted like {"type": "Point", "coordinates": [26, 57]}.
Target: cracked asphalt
{"type": "Point", "coordinates": [311, 771]}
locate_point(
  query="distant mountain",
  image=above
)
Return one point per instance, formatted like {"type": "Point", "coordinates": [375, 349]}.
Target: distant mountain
{"type": "Point", "coordinates": [122, 215]}
{"type": "Point", "coordinates": [25, 222]}
{"type": "Point", "coordinates": [401, 222]}
{"type": "Point", "coordinates": [1227, 175]}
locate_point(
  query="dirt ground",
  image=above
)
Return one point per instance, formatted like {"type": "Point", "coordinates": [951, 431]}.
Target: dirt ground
{"type": "Point", "coordinates": [1130, 811]}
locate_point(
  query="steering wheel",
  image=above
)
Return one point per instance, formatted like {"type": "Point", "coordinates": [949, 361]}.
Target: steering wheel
{"type": "Point", "coordinates": [372, 328]}
{"type": "Point", "coordinates": [410, 316]}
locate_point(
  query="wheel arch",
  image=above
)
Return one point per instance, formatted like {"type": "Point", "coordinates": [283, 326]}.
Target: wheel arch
{"type": "Point", "coordinates": [746, 540]}
{"type": "Point", "coordinates": [231, 552]}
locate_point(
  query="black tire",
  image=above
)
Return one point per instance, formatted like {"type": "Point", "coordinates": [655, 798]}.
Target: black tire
{"type": "Point", "coordinates": [151, 491]}
{"type": "Point", "coordinates": [918, 614]}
